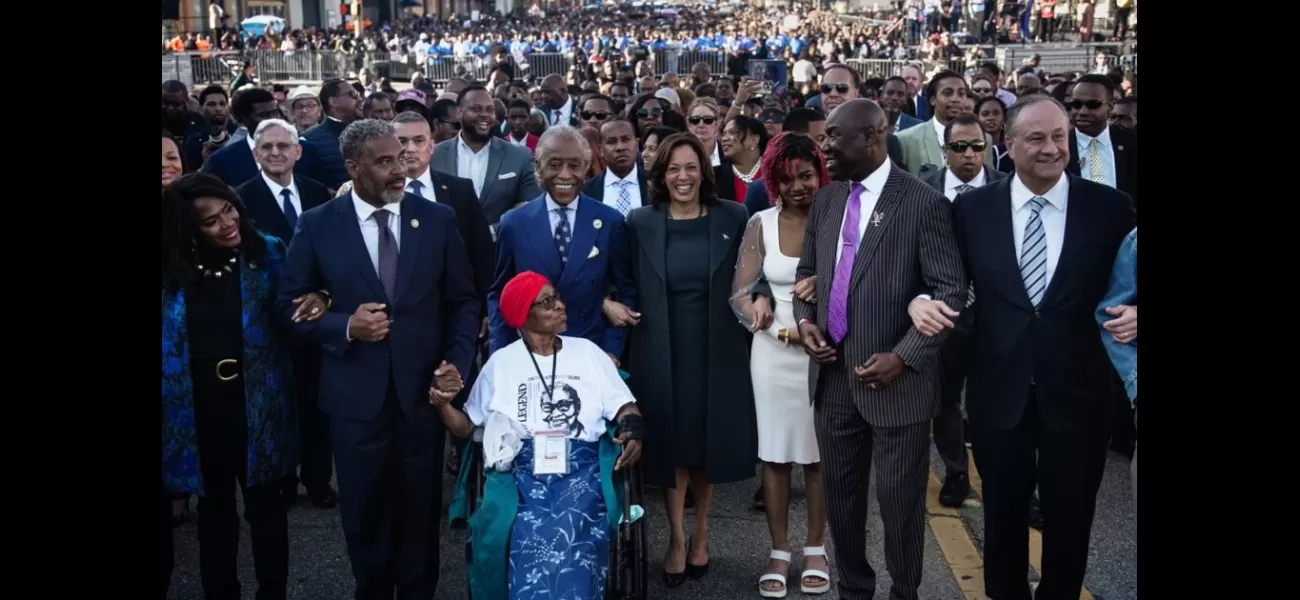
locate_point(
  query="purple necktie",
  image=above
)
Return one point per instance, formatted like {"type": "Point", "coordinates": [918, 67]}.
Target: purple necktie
{"type": "Point", "coordinates": [837, 311]}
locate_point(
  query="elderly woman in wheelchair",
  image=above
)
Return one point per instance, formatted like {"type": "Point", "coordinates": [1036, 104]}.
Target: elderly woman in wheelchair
{"type": "Point", "coordinates": [544, 522]}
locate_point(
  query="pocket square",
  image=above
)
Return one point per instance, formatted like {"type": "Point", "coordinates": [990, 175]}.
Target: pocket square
{"type": "Point", "coordinates": [507, 176]}
{"type": "Point", "coordinates": [594, 253]}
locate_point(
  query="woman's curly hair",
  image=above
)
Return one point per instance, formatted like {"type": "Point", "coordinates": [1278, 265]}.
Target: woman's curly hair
{"type": "Point", "coordinates": [781, 152]}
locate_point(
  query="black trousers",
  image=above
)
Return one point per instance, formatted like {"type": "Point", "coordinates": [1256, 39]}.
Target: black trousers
{"type": "Point", "coordinates": [317, 466]}
{"type": "Point", "coordinates": [165, 539]}
{"type": "Point", "coordinates": [223, 459]}
{"type": "Point", "coordinates": [949, 437]}
{"type": "Point", "coordinates": [1067, 466]}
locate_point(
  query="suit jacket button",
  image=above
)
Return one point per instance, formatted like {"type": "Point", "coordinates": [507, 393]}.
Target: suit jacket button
{"type": "Point", "coordinates": [1037, 314]}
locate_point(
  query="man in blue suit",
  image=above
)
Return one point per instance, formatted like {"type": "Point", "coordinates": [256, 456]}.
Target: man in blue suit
{"type": "Point", "coordinates": [234, 163]}
{"type": "Point", "coordinates": [339, 101]}
{"type": "Point", "coordinates": [575, 241]}
{"type": "Point", "coordinates": [402, 326]}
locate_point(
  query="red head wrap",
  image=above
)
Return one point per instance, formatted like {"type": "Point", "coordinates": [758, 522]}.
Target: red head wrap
{"type": "Point", "coordinates": [518, 296]}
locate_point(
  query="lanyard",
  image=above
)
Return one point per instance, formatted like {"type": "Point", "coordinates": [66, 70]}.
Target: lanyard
{"type": "Point", "coordinates": [555, 359]}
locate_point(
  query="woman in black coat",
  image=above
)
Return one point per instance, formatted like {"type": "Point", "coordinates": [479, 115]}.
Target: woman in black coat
{"type": "Point", "coordinates": [689, 355]}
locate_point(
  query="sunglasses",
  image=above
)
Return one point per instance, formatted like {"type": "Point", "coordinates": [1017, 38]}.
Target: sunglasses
{"type": "Point", "coordinates": [589, 115]}
{"type": "Point", "coordinates": [982, 91]}
{"type": "Point", "coordinates": [960, 147]}
{"type": "Point", "coordinates": [705, 120]}
{"type": "Point", "coordinates": [1091, 104]}
{"type": "Point", "coordinates": [651, 112]}
{"type": "Point", "coordinates": [842, 88]}
{"type": "Point", "coordinates": [452, 124]}
{"type": "Point", "coordinates": [549, 302]}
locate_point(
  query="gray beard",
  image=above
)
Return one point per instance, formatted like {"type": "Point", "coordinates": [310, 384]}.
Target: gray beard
{"type": "Point", "coordinates": [391, 197]}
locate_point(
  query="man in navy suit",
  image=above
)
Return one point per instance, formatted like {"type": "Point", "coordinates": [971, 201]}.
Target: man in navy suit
{"type": "Point", "coordinates": [574, 240]}
{"type": "Point", "coordinates": [274, 201]}
{"type": "Point", "coordinates": [339, 101]}
{"type": "Point", "coordinates": [622, 185]}
{"type": "Point", "coordinates": [1039, 248]}
{"type": "Point", "coordinates": [401, 326]}
{"type": "Point", "coordinates": [234, 163]}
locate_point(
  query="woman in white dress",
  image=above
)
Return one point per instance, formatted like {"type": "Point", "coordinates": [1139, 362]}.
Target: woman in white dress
{"type": "Point", "coordinates": [794, 169]}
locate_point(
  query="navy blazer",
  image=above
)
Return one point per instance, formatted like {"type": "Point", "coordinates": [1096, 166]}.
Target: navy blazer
{"type": "Point", "coordinates": [1054, 345]}
{"type": "Point", "coordinates": [595, 187]}
{"type": "Point", "coordinates": [325, 137]}
{"type": "Point", "coordinates": [435, 314]}
{"type": "Point", "coordinates": [267, 213]}
{"type": "Point", "coordinates": [756, 197]}
{"type": "Point", "coordinates": [234, 163]}
{"type": "Point", "coordinates": [598, 260]}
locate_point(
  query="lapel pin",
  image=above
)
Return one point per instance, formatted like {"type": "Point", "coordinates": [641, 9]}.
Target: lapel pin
{"type": "Point", "coordinates": [415, 223]}
{"type": "Point", "coordinates": [726, 237]}
{"type": "Point", "coordinates": [1120, 148]}
{"type": "Point", "coordinates": [442, 187]}
{"type": "Point", "coordinates": [596, 224]}
{"type": "Point", "coordinates": [876, 218]}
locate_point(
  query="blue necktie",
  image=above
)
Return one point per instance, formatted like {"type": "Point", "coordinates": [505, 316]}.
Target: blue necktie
{"type": "Point", "coordinates": [562, 236]}
{"type": "Point", "coordinates": [290, 212]}
{"type": "Point", "coordinates": [1033, 253]}
{"type": "Point", "coordinates": [416, 187]}
{"type": "Point", "coordinates": [624, 196]}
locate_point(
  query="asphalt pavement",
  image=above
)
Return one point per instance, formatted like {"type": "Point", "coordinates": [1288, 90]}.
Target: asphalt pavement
{"type": "Point", "coordinates": [319, 568]}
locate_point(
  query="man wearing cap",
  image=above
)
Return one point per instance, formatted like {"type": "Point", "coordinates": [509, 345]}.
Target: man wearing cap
{"type": "Point", "coordinates": [412, 100]}
{"type": "Point", "coordinates": [304, 108]}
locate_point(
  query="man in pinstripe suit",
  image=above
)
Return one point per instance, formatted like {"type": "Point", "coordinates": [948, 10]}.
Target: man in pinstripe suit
{"type": "Point", "coordinates": [877, 237]}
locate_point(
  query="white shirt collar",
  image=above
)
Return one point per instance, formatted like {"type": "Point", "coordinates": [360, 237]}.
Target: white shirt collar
{"type": "Point", "coordinates": [461, 146]}
{"type": "Point", "coordinates": [951, 180]}
{"type": "Point", "coordinates": [365, 209]}
{"type": "Point", "coordinates": [1056, 196]}
{"type": "Point", "coordinates": [551, 205]}
{"type": "Point", "coordinates": [1102, 138]}
{"type": "Point", "coordinates": [612, 179]}
{"type": "Point", "coordinates": [875, 182]}
{"type": "Point", "coordinates": [938, 129]}
{"type": "Point", "coordinates": [276, 188]}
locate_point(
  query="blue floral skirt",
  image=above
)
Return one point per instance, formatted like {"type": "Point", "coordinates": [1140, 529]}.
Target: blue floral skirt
{"type": "Point", "coordinates": [559, 546]}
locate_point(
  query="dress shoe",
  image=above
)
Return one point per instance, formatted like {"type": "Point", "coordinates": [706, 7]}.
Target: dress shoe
{"type": "Point", "coordinates": [955, 490]}
{"type": "Point", "coordinates": [323, 497]}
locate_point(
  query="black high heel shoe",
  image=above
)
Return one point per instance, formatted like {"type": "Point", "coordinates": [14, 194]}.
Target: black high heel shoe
{"type": "Point", "coordinates": [672, 580]}
{"type": "Point", "coordinates": [694, 571]}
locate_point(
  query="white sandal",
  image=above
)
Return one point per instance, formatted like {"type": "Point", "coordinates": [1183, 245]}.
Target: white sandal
{"type": "Point", "coordinates": [780, 577]}
{"type": "Point", "coordinates": [823, 575]}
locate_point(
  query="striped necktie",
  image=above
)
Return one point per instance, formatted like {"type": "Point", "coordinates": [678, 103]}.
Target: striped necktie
{"type": "Point", "coordinates": [1033, 253]}
{"type": "Point", "coordinates": [965, 187]}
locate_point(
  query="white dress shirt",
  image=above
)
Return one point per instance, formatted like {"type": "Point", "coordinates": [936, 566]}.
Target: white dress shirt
{"type": "Point", "coordinates": [1107, 152]}
{"type": "Point", "coordinates": [553, 215]}
{"type": "Point", "coordinates": [1052, 215]}
{"type": "Point", "coordinates": [426, 186]}
{"type": "Point", "coordinates": [716, 159]}
{"type": "Point", "coordinates": [874, 184]}
{"type": "Point", "coordinates": [472, 165]}
{"type": "Point", "coordinates": [951, 181]}
{"type": "Point", "coordinates": [294, 197]}
{"type": "Point", "coordinates": [370, 227]}
{"type": "Point", "coordinates": [938, 132]}
{"type": "Point", "coordinates": [613, 189]}
{"type": "Point", "coordinates": [562, 115]}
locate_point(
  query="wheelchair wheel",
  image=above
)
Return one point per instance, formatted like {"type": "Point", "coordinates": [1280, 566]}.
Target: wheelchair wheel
{"type": "Point", "coordinates": [627, 560]}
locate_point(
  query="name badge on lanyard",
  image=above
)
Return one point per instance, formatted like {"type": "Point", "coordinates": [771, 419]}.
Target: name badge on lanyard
{"type": "Point", "coordinates": [550, 453]}
{"type": "Point", "coordinates": [550, 448]}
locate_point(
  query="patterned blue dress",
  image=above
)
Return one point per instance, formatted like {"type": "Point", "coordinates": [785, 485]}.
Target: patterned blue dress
{"type": "Point", "coordinates": [559, 545]}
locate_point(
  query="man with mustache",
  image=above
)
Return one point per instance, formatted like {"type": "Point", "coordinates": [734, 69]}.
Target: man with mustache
{"type": "Point", "coordinates": [574, 240]}
{"type": "Point", "coordinates": [401, 330]}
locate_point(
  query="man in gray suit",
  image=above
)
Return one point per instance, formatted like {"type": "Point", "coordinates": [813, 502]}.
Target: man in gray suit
{"type": "Point", "coordinates": [875, 381]}
{"type": "Point", "coordinates": [502, 173]}
{"type": "Point", "coordinates": [923, 144]}
{"type": "Point", "coordinates": [964, 149]}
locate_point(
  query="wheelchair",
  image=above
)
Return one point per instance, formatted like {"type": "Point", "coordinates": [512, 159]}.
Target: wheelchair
{"type": "Point", "coordinates": [627, 548]}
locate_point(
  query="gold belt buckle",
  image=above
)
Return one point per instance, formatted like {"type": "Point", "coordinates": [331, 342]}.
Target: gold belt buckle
{"type": "Point", "coordinates": [229, 362]}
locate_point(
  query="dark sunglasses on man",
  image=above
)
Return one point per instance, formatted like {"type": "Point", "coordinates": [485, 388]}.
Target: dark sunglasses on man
{"type": "Point", "coordinates": [450, 123]}
{"type": "Point", "coordinates": [589, 115]}
{"type": "Point", "coordinates": [961, 146]}
{"type": "Point", "coordinates": [705, 120]}
{"type": "Point", "coordinates": [649, 112]}
{"type": "Point", "coordinates": [842, 88]}
{"type": "Point", "coordinates": [1091, 104]}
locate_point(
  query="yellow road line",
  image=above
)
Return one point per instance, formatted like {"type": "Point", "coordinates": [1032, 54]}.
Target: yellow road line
{"type": "Point", "coordinates": [1035, 537]}
{"type": "Point", "coordinates": [955, 542]}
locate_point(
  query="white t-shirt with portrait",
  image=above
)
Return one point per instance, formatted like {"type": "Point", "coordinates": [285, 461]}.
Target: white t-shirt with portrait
{"type": "Point", "coordinates": [588, 389]}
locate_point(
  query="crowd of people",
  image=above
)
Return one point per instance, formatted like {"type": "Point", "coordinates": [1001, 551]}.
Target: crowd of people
{"type": "Point", "coordinates": [737, 275]}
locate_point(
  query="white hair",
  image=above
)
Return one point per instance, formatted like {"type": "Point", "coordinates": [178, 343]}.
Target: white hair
{"type": "Point", "coordinates": [556, 132]}
{"type": "Point", "coordinates": [281, 123]}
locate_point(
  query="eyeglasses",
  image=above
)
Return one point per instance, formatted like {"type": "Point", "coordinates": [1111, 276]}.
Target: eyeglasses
{"type": "Point", "coordinates": [842, 88]}
{"type": "Point", "coordinates": [1091, 104]}
{"type": "Point", "coordinates": [452, 124]}
{"type": "Point", "coordinates": [649, 112]}
{"type": "Point", "coordinates": [961, 146]}
{"type": "Point", "coordinates": [705, 120]}
{"type": "Point", "coordinates": [589, 115]}
{"type": "Point", "coordinates": [549, 302]}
